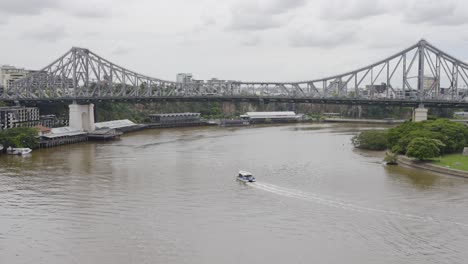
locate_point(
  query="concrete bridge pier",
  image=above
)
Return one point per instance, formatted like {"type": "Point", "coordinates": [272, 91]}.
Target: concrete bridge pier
{"type": "Point", "coordinates": [419, 113]}
{"type": "Point", "coordinates": [82, 117]}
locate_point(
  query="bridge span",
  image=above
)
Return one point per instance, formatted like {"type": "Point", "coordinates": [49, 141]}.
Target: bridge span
{"type": "Point", "coordinates": [419, 74]}
{"type": "Point", "coordinates": [259, 99]}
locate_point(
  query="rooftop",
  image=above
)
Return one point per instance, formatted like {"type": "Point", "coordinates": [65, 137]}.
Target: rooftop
{"type": "Point", "coordinates": [115, 124]}
{"type": "Point", "coordinates": [265, 114]}
{"type": "Point", "coordinates": [175, 114]}
{"type": "Point", "coordinates": [63, 132]}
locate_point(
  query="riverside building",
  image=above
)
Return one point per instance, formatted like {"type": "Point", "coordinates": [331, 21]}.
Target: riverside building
{"type": "Point", "coordinates": [11, 117]}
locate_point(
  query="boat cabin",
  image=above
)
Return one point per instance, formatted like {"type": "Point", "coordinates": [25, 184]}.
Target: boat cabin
{"type": "Point", "coordinates": [246, 176]}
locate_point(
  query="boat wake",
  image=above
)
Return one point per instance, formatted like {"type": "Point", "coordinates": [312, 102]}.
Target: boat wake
{"type": "Point", "coordinates": [292, 193]}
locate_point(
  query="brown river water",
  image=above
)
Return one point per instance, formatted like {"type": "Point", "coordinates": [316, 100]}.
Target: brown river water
{"type": "Point", "coordinates": [170, 196]}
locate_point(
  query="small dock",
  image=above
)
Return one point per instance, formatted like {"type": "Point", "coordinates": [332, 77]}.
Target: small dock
{"type": "Point", "coordinates": [104, 134]}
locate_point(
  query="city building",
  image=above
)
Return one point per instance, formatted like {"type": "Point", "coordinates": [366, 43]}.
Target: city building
{"type": "Point", "coordinates": [337, 87]}
{"type": "Point", "coordinates": [376, 90]}
{"type": "Point", "coordinates": [184, 77]}
{"type": "Point", "coordinates": [11, 117]}
{"type": "Point", "coordinates": [52, 121]}
{"type": "Point", "coordinates": [9, 74]}
{"type": "Point", "coordinates": [463, 115]}
{"type": "Point", "coordinates": [214, 86]}
{"type": "Point", "coordinates": [406, 94]}
{"type": "Point", "coordinates": [175, 118]}
{"type": "Point", "coordinates": [428, 82]}
{"type": "Point", "coordinates": [273, 117]}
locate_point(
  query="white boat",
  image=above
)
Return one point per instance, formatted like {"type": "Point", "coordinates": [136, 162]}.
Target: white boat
{"type": "Point", "coordinates": [18, 151]}
{"type": "Point", "coordinates": [245, 176]}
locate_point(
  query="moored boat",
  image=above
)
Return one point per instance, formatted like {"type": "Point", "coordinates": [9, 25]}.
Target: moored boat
{"type": "Point", "coordinates": [18, 151]}
{"type": "Point", "coordinates": [245, 176]}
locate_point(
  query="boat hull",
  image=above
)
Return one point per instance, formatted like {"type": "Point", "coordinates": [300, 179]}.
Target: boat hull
{"type": "Point", "coordinates": [245, 180]}
{"type": "Point", "coordinates": [19, 151]}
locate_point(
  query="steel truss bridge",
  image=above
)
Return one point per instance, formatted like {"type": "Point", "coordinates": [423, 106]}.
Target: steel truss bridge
{"type": "Point", "coordinates": [420, 74]}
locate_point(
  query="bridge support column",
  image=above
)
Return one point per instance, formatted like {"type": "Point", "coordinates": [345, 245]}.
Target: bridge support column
{"type": "Point", "coordinates": [82, 117]}
{"type": "Point", "coordinates": [419, 114]}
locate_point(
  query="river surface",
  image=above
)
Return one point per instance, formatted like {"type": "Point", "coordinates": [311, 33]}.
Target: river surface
{"type": "Point", "coordinates": [170, 196]}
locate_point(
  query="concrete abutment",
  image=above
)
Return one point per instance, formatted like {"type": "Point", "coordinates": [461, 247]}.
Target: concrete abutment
{"type": "Point", "coordinates": [82, 117]}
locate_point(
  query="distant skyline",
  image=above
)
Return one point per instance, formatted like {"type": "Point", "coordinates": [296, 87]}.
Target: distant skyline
{"type": "Point", "coordinates": [256, 40]}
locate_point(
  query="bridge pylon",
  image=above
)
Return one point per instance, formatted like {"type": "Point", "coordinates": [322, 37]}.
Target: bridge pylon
{"type": "Point", "coordinates": [420, 113]}
{"type": "Point", "coordinates": [82, 117]}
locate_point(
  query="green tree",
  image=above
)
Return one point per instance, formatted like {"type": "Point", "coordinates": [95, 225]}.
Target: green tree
{"type": "Point", "coordinates": [453, 135]}
{"type": "Point", "coordinates": [424, 148]}
{"type": "Point", "coordinates": [19, 138]}
{"type": "Point", "coordinates": [371, 139]}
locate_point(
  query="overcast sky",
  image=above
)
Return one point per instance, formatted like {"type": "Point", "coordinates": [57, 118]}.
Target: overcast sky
{"type": "Point", "coordinates": [283, 40]}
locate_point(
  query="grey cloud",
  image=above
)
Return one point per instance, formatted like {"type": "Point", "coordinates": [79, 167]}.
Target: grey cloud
{"type": "Point", "coordinates": [26, 7]}
{"type": "Point", "coordinates": [87, 10]}
{"type": "Point", "coordinates": [261, 15]}
{"type": "Point", "coordinates": [90, 13]}
{"type": "Point", "coordinates": [352, 9]}
{"type": "Point", "coordinates": [386, 42]}
{"type": "Point", "coordinates": [251, 41]}
{"type": "Point", "coordinates": [208, 21]}
{"type": "Point", "coordinates": [121, 50]}
{"type": "Point", "coordinates": [450, 12]}
{"type": "Point", "coordinates": [434, 12]}
{"type": "Point", "coordinates": [322, 38]}
{"type": "Point", "coordinates": [253, 22]}
{"type": "Point", "coordinates": [281, 6]}
{"type": "Point", "coordinates": [10, 8]}
{"type": "Point", "coordinates": [51, 34]}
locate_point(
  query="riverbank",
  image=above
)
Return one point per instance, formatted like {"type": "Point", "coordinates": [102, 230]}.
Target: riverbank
{"type": "Point", "coordinates": [457, 161]}
{"type": "Point", "coordinates": [430, 167]}
{"type": "Point", "coordinates": [364, 121]}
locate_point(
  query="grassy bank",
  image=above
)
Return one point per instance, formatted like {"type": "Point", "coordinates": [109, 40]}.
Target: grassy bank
{"type": "Point", "coordinates": [453, 161]}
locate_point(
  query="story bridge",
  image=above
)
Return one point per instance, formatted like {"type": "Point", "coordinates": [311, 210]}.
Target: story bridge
{"type": "Point", "coordinates": [420, 74]}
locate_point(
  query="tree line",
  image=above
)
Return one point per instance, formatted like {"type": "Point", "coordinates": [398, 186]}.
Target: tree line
{"type": "Point", "coordinates": [422, 140]}
{"type": "Point", "coordinates": [22, 137]}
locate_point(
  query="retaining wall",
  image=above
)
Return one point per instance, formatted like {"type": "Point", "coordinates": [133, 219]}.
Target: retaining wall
{"type": "Point", "coordinates": [431, 167]}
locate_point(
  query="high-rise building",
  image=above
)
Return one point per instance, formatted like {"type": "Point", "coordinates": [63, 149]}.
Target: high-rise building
{"type": "Point", "coordinates": [428, 82]}
{"type": "Point", "coordinates": [11, 117]}
{"type": "Point", "coordinates": [184, 78]}
{"type": "Point", "coordinates": [9, 74]}
{"type": "Point", "coordinates": [337, 87]}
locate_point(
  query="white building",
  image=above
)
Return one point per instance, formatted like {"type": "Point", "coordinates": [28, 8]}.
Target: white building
{"type": "Point", "coordinates": [184, 77]}
{"type": "Point", "coordinates": [9, 74]}
{"type": "Point", "coordinates": [428, 82]}
{"type": "Point", "coordinates": [460, 115]}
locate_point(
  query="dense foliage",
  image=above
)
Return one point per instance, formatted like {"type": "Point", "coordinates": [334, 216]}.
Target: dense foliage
{"type": "Point", "coordinates": [453, 135]}
{"type": "Point", "coordinates": [19, 138]}
{"type": "Point", "coordinates": [424, 148]}
{"type": "Point", "coordinates": [421, 140]}
{"type": "Point", "coordinates": [371, 139]}
{"type": "Point", "coordinates": [139, 113]}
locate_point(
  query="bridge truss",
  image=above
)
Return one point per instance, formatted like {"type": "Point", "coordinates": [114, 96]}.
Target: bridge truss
{"type": "Point", "coordinates": [420, 73]}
